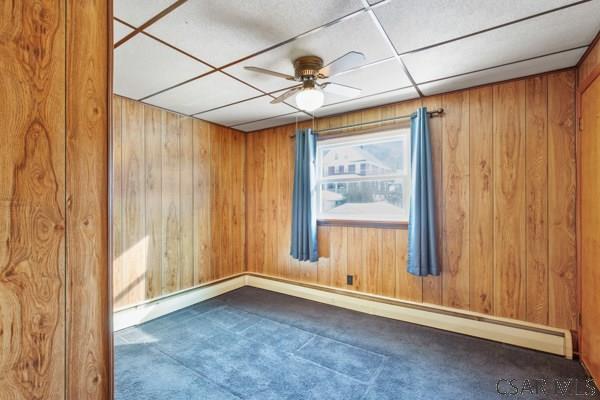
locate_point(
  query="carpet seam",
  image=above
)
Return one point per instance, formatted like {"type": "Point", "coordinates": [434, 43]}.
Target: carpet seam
{"type": "Point", "coordinates": [195, 372]}
{"type": "Point", "coordinates": [312, 333]}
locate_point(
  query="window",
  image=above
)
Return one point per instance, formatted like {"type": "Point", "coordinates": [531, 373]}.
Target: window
{"type": "Point", "coordinates": [379, 191]}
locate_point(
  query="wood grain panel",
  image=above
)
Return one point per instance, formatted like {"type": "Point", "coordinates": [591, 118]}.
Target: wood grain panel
{"type": "Point", "coordinates": [487, 207]}
{"type": "Point", "coordinates": [192, 204]}
{"type": "Point", "coordinates": [202, 214]}
{"type": "Point", "coordinates": [118, 274]}
{"type": "Point", "coordinates": [32, 201]}
{"type": "Point", "coordinates": [481, 200]}
{"type": "Point", "coordinates": [215, 191]}
{"type": "Point", "coordinates": [590, 228]}
{"type": "Point", "coordinates": [251, 202]}
{"type": "Point", "coordinates": [272, 205]}
{"type": "Point", "coordinates": [285, 169]}
{"type": "Point", "coordinates": [237, 190]}
{"type": "Point", "coordinates": [589, 68]}
{"type": "Point", "coordinates": [88, 126]}
{"type": "Point", "coordinates": [373, 264]}
{"type": "Point", "coordinates": [408, 286]}
{"type": "Point", "coordinates": [323, 268]}
{"type": "Point", "coordinates": [455, 178]}
{"type": "Point", "coordinates": [338, 255]}
{"type": "Point", "coordinates": [536, 183]}
{"type": "Point", "coordinates": [54, 117]}
{"type": "Point", "coordinates": [134, 239]}
{"type": "Point", "coordinates": [153, 132]}
{"type": "Point", "coordinates": [355, 262]}
{"type": "Point", "coordinates": [171, 205]}
{"type": "Point", "coordinates": [561, 200]}
{"type": "Point", "coordinates": [186, 201]}
{"type": "Point", "coordinates": [225, 201]}
{"type": "Point", "coordinates": [509, 194]}
{"type": "Point", "coordinates": [388, 262]}
{"type": "Point", "coordinates": [258, 171]}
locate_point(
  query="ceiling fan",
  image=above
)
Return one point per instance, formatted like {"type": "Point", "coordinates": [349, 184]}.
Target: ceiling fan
{"type": "Point", "coordinates": [308, 70]}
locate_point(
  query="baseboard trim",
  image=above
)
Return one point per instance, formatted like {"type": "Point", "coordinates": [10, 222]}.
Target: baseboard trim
{"type": "Point", "coordinates": [152, 309]}
{"type": "Point", "coordinates": [504, 330]}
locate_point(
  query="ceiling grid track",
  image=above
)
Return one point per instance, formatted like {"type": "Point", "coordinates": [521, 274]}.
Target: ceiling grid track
{"type": "Point", "coordinates": [151, 21]}
{"type": "Point", "coordinates": [387, 39]}
{"type": "Point", "coordinates": [273, 47]}
{"type": "Point", "coordinates": [505, 64]}
{"type": "Point", "coordinates": [379, 25]}
{"type": "Point", "coordinates": [493, 28]}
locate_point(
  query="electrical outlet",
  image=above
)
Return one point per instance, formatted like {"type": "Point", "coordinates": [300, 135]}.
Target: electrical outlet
{"type": "Point", "coordinates": [349, 279]}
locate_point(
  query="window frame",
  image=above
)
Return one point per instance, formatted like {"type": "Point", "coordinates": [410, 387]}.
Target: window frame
{"type": "Point", "coordinates": [384, 135]}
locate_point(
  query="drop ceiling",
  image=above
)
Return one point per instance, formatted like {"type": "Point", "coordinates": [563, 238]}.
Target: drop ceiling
{"type": "Point", "coordinates": [188, 56]}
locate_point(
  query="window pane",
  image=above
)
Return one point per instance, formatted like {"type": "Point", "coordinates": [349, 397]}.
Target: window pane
{"type": "Point", "coordinates": [370, 159]}
{"type": "Point", "coordinates": [365, 177]}
{"type": "Point", "coordinates": [381, 199]}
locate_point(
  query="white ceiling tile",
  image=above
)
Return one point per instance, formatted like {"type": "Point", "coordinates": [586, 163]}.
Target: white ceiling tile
{"type": "Point", "coordinates": [354, 34]}
{"type": "Point", "coordinates": [143, 66]}
{"type": "Point", "coordinates": [391, 96]}
{"type": "Point", "coordinates": [219, 32]}
{"type": "Point", "coordinates": [211, 91]}
{"type": "Point", "coordinates": [412, 24]}
{"type": "Point", "coordinates": [561, 30]}
{"type": "Point", "coordinates": [525, 68]}
{"type": "Point", "coordinates": [377, 78]}
{"type": "Point", "coordinates": [120, 31]}
{"type": "Point", "coordinates": [271, 122]}
{"type": "Point", "coordinates": [250, 110]}
{"type": "Point", "coordinates": [136, 12]}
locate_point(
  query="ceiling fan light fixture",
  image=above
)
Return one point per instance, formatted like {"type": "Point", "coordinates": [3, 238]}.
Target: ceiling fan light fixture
{"type": "Point", "coordinates": [309, 70]}
{"type": "Point", "coordinates": [309, 99]}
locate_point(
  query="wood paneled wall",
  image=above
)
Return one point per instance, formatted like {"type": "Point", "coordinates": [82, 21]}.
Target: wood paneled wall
{"type": "Point", "coordinates": [178, 202]}
{"type": "Point", "coordinates": [504, 166]}
{"type": "Point", "coordinates": [589, 211]}
{"type": "Point", "coordinates": [54, 278]}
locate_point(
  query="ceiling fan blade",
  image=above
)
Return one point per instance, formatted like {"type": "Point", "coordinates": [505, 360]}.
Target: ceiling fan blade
{"type": "Point", "coordinates": [286, 94]}
{"type": "Point", "coordinates": [272, 73]}
{"type": "Point", "coordinates": [340, 90]}
{"type": "Point", "coordinates": [344, 63]}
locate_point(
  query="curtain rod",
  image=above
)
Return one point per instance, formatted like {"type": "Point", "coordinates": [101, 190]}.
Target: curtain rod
{"type": "Point", "coordinates": [433, 113]}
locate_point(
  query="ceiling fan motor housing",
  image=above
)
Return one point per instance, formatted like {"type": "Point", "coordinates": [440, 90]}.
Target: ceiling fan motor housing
{"type": "Point", "coordinates": [307, 67]}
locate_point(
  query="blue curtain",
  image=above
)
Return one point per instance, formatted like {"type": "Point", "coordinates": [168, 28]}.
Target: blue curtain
{"type": "Point", "coordinates": [422, 244]}
{"type": "Point", "coordinates": [304, 218]}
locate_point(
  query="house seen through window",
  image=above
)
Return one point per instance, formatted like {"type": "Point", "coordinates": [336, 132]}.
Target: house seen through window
{"type": "Point", "coordinates": [365, 177]}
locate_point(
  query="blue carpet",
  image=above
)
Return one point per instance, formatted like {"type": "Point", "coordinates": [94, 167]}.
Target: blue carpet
{"type": "Point", "coordinates": [255, 344]}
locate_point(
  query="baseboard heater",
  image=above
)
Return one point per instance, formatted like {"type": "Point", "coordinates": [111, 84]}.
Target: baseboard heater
{"type": "Point", "coordinates": [156, 308]}
{"type": "Point", "coordinates": [503, 330]}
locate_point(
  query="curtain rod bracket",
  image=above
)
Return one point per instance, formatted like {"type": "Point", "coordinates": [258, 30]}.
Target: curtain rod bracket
{"type": "Point", "coordinates": [436, 113]}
